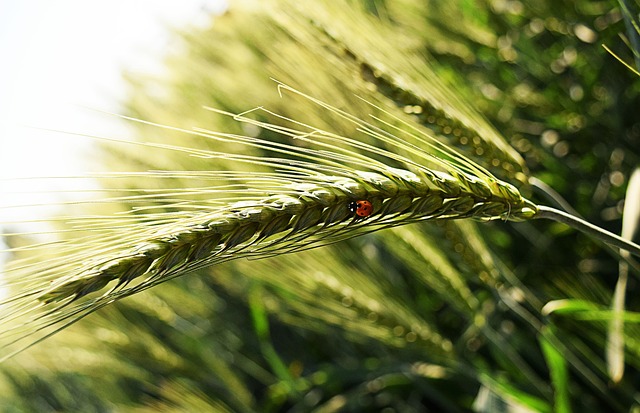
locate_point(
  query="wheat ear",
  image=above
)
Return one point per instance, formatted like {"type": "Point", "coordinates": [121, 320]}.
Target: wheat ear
{"type": "Point", "coordinates": [311, 212]}
{"type": "Point", "coordinates": [301, 200]}
{"type": "Point", "coordinates": [309, 207]}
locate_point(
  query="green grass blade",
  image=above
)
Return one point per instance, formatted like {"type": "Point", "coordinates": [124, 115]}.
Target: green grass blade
{"type": "Point", "coordinates": [558, 371]}
{"type": "Point", "coordinates": [615, 337]}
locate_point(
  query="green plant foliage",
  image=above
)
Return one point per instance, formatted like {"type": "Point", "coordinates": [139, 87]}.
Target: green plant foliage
{"type": "Point", "coordinates": [437, 316]}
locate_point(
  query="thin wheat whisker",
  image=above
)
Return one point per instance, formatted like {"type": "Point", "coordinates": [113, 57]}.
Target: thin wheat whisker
{"type": "Point", "coordinates": [357, 159]}
{"type": "Point", "coordinates": [430, 142]}
{"type": "Point", "coordinates": [326, 158]}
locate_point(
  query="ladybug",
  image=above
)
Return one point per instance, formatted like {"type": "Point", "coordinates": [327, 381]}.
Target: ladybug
{"type": "Point", "coordinates": [362, 208]}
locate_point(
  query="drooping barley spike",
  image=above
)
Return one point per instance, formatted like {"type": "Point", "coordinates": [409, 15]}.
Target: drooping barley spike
{"type": "Point", "coordinates": [488, 151]}
{"type": "Point", "coordinates": [301, 200]}
{"type": "Point", "coordinates": [312, 212]}
{"type": "Point", "coordinates": [420, 93]}
{"type": "Point", "coordinates": [297, 192]}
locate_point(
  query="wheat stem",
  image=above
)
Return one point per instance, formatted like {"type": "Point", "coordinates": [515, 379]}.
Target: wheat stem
{"type": "Point", "coordinates": [560, 202]}
{"type": "Point", "coordinates": [581, 225]}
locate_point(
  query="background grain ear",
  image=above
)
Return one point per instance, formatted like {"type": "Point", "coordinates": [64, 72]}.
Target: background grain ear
{"type": "Point", "coordinates": [616, 338]}
{"type": "Point", "coordinates": [631, 212]}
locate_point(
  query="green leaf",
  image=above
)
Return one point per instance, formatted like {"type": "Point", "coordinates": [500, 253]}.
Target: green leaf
{"type": "Point", "coordinates": [615, 337]}
{"type": "Point", "coordinates": [568, 306]}
{"type": "Point", "coordinates": [559, 374]}
{"type": "Point", "coordinates": [511, 396]}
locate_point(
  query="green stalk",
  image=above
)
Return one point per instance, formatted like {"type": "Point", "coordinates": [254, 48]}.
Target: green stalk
{"type": "Point", "coordinates": [581, 225]}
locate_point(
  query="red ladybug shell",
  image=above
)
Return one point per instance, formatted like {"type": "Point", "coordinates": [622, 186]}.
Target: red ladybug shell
{"type": "Point", "coordinates": [362, 208]}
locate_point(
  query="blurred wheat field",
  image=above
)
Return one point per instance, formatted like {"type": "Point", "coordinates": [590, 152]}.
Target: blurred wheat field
{"type": "Point", "coordinates": [449, 315]}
